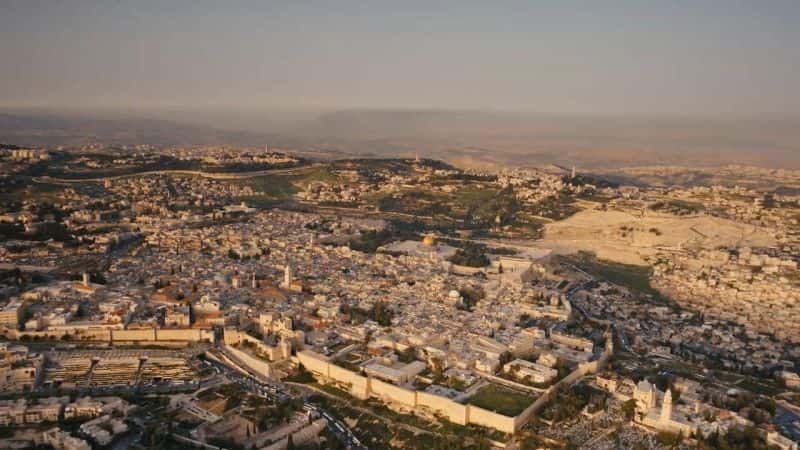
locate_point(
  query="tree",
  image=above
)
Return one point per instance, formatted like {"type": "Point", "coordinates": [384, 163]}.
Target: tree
{"type": "Point", "coordinates": [505, 358]}
{"type": "Point", "coordinates": [290, 443]}
{"type": "Point", "coordinates": [472, 255]}
{"type": "Point", "coordinates": [382, 314]}
{"type": "Point", "coordinates": [437, 369]}
{"type": "Point", "coordinates": [629, 408]}
{"type": "Point", "coordinates": [408, 355]}
{"type": "Point", "coordinates": [668, 439]}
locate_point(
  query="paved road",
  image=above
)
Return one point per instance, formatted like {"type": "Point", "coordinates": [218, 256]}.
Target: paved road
{"type": "Point", "coordinates": [214, 175]}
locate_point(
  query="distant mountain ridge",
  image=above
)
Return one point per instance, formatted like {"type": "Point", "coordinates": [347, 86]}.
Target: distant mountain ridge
{"type": "Point", "coordinates": [469, 138]}
{"type": "Point", "coordinates": [72, 130]}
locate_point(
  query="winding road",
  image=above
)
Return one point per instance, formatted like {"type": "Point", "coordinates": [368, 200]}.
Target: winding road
{"type": "Point", "coordinates": [199, 173]}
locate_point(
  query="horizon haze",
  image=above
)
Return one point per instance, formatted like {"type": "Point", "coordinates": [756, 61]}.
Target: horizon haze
{"type": "Point", "coordinates": [707, 83]}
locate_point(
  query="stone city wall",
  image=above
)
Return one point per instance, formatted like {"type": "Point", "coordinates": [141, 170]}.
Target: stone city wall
{"type": "Point", "coordinates": [490, 419]}
{"type": "Point", "coordinates": [256, 365]}
{"type": "Point", "coordinates": [365, 387]}
{"type": "Point", "coordinates": [107, 335]}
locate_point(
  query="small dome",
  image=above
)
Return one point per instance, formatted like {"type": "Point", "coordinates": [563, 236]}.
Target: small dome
{"type": "Point", "coordinates": [429, 240]}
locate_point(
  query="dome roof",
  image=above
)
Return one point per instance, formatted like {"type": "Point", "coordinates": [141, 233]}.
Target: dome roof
{"type": "Point", "coordinates": [644, 386]}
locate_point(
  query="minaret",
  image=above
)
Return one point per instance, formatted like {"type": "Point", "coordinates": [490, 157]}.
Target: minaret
{"type": "Point", "coordinates": [287, 276]}
{"type": "Point", "coordinates": [573, 171]}
{"type": "Point", "coordinates": [253, 282]}
{"type": "Point", "coordinates": [666, 407]}
{"type": "Point", "coordinates": [86, 279]}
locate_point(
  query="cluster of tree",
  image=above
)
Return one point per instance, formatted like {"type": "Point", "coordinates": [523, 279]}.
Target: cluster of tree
{"type": "Point", "coordinates": [43, 232]}
{"type": "Point", "coordinates": [735, 439]}
{"type": "Point", "coordinates": [302, 375]}
{"type": "Point", "coordinates": [462, 176]}
{"type": "Point", "coordinates": [664, 382]}
{"type": "Point", "coordinates": [369, 241]}
{"type": "Point", "coordinates": [572, 402]}
{"type": "Point", "coordinates": [380, 312]}
{"type": "Point", "coordinates": [420, 203]}
{"type": "Point", "coordinates": [94, 277]}
{"type": "Point", "coordinates": [742, 400]}
{"type": "Point", "coordinates": [408, 355]}
{"type": "Point", "coordinates": [268, 416]}
{"type": "Point", "coordinates": [235, 256]}
{"type": "Point", "coordinates": [668, 439]}
{"type": "Point", "coordinates": [471, 296]}
{"type": "Point", "coordinates": [677, 207]}
{"type": "Point", "coordinates": [160, 284]}
{"type": "Point", "coordinates": [21, 279]}
{"type": "Point", "coordinates": [471, 255]}
{"type": "Point", "coordinates": [503, 206]}
{"type": "Point", "coordinates": [226, 443]}
{"type": "Point", "coordinates": [629, 409]}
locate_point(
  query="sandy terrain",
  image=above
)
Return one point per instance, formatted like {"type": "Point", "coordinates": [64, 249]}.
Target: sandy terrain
{"type": "Point", "coordinates": [631, 238]}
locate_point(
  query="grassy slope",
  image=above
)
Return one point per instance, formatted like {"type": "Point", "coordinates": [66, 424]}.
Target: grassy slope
{"type": "Point", "coordinates": [501, 400]}
{"type": "Point", "coordinates": [633, 277]}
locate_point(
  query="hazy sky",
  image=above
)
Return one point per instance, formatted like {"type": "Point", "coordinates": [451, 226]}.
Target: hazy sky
{"type": "Point", "coordinates": [660, 56]}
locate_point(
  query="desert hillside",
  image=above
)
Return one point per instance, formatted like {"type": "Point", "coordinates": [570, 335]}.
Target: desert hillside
{"type": "Point", "coordinates": [628, 238]}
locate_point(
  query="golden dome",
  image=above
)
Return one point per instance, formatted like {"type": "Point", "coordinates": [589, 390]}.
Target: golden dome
{"type": "Point", "coordinates": [429, 240]}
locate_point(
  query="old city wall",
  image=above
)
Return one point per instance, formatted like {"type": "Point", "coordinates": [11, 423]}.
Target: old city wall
{"type": "Point", "coordinates": [144, 334]}
{"type": "Point", "coordinates": [97, 335]}
{"type": "Point", "coordinates": [364, 387]}
{"type": "Point", "coordinates": [189, 334]}
{"type": "Point", "coordinates": [232, 336]}
{"type": "Point", "coordinates": [396, 394]}
{"type": "Point", "coordinates": [359, 385]}
{"type": "Point", "coordinates": [255, 364]}
{"type": "Point", "coordinates": [455, 412]}
{"type": "Point", "coordinates": [108, 335]}
{"type": "Point", "coordinates": [486, 418]}
{"type": "Point", "coordinates": [162, 335]}
{"type": "Point", "coordinates": [314, 363]}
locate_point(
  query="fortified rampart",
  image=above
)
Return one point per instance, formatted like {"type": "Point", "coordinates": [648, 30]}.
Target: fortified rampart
{"type": "Point", "coordinates": [116, 335]}
{"type": "Point", "coordinates": [364, 387]}
{"type": "Point", "coordinates": [411, 400]}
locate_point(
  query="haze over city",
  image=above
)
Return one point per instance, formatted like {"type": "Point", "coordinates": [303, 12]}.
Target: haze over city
{"type": "Point", "coordinates": [684, 58]}
{"type": "Point", "coordinates": [283, 225]}
{"type": "Point", "coordinates": [664, 81]}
